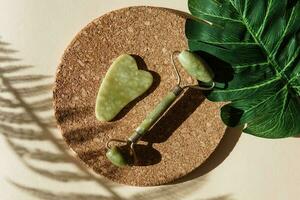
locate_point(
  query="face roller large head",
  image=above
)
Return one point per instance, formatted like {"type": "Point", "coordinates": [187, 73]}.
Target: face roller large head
{"type": "Point", "coordinates": [196, 68]}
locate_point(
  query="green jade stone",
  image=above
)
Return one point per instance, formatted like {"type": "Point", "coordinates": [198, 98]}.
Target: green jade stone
{"type": "Point", "coordinates": [115, 156]}
{"type": "Point", "coordinates": [196, 67]}
{"type": "Point", "coordinates": [123, 83]}
{"type": "Point", "coordinates": [158, 111]}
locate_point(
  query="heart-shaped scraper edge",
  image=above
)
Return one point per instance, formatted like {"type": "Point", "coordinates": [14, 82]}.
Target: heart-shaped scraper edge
{"type": "Point", "coordinates": [123, 83]}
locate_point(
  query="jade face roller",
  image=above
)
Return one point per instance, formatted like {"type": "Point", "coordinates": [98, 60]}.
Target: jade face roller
{"type": "Point", "coordinates": [196, 68]}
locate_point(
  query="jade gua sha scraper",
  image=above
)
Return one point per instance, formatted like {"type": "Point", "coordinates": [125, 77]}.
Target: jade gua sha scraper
{"type": "Point", "coordinates": [124, 82]}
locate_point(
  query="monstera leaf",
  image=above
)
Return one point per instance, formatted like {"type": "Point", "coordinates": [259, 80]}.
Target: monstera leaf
{"type": "Point", "coordinates": [259, 40]}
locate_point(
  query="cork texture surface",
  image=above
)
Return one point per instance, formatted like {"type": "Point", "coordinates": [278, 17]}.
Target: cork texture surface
{"type": "Point", "coordinates": [183, 138]}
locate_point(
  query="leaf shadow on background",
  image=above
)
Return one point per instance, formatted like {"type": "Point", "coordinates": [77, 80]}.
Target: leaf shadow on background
{"type": "Point", "coordinates": [21, 124]}
{"type": "Point", "coordinates": [47, 195]}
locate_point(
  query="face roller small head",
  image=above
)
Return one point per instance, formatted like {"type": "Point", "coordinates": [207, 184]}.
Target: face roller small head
{"type": "Point", "coordinates": [116, 157]}
{"type": "Point", "coordinates": [195, 66]}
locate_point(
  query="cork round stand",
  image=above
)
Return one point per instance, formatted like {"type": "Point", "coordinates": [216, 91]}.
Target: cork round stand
{"type": "Point", "coordinates": [183, 138]}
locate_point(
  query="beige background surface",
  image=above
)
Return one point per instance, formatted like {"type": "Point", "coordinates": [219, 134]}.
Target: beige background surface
{"type": "Point", "coordinates": [40, 30]}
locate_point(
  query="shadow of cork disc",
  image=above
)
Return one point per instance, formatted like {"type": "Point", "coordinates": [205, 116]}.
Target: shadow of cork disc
{"type": "Point", "coordinates": [183, 138]}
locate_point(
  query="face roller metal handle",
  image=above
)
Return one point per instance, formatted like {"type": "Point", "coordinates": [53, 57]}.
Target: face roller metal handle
{"type": "Point", "coordinates": [156, 113]}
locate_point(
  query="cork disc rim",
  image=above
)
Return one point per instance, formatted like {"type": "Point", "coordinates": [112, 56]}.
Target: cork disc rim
{"type": "Point", "coordinates": [84, 64]}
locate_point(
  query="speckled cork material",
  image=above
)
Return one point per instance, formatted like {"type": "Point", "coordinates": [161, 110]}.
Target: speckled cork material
{"type": "Point", "coordinates": [183, 138]}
